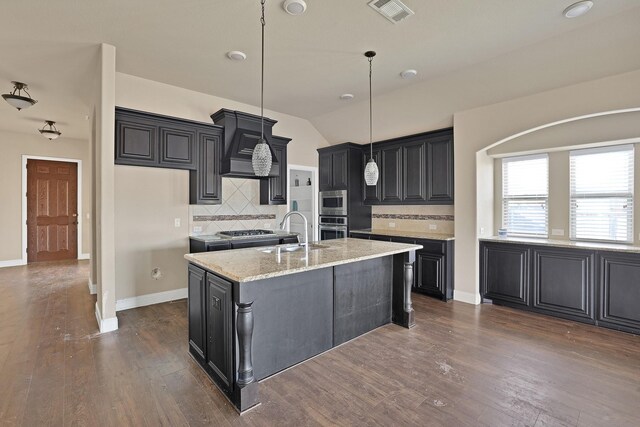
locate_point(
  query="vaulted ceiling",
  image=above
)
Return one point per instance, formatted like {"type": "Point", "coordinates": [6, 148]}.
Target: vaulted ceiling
{"type": "Point", "coordinates": [311, 59]}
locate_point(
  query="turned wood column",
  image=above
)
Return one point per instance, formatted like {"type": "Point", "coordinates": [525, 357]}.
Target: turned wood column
{"type": "Point", "coordinates": [403, 314]}
{"type": "Point", "coordinates": [245, 334]}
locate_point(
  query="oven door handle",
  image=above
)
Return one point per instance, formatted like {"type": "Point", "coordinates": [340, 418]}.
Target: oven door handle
{"type": "Point", "coordinates": [329, 227]}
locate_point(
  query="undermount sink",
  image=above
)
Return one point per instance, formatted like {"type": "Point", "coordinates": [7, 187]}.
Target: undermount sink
{"type": "Point", "coordinates": [293, 247]}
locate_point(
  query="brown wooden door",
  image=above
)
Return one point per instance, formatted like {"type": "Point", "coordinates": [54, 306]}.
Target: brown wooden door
{"type": "Point", "coordinates": [52, 210]}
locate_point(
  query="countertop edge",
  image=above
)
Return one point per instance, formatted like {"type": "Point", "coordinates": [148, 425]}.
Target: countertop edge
{"type": "Point", "coordinates": [193, 260]}
{"type": "Point", "coordinates": [569, 244]}
{"type": "Point", "coordinates": [407, 234]}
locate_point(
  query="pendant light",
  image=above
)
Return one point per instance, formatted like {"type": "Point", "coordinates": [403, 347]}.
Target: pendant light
{"type": "Point", "coordinates": [261, 157]}
{"type": "Point", "coordinates": [371, 170]}
{"type": "Point", "coordinates": [19, 101]}
{"type": "Point", "coordinates": [51, 133]}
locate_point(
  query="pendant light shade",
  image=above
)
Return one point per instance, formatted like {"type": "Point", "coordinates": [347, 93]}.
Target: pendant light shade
{"type": "Point", "coordinates": [261, 156]}
{"type": "Point", "coordinates": [51, 132]}
{"type": "Point", "coordinates": [18, 100]}
{"type": "Point", "coordinates": [371, 173]}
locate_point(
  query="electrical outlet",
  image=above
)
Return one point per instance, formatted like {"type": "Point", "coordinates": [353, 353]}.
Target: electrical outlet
{"type": "Point", "coordinates": [392, 225]}
{"type": "Point", "coordinates": [267, 225]}
{"type": "Point", "coordinates": [481, 231]}
{"type": "Point", "coordinates": [88, 215]}
{"type": "Point", "coordinates": [176, 222]}
{"type": "Point", "coordinates": [197, 229]}
{"type": "Point", "coordinates": [433, 227]}
{"type": "Point", "coordinates": [557, 232]}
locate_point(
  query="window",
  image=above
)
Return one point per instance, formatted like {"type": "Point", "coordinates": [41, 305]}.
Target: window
{"type": "Point", "coordinates": [602, 194]}
{"type": "Point", "coordinates": [525, 193]}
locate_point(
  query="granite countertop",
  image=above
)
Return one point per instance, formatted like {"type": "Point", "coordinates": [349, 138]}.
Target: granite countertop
{"type": "Point", "coordinates": [214, 237]}
{"type": "Point", "coordinates": [613, 247]}
{"type": "Point", "coordinates": [247, 265]}
{"type": "Point", "coordinates": [409, 234]}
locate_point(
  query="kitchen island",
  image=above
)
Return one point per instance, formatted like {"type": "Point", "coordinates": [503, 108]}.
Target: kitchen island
{"type": "Point", "coordinates": [254, 312]}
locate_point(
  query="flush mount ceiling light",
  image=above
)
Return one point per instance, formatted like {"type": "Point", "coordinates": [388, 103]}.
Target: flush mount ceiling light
{"type": "Point", "coordinates": [294, 7]}
{"type": "Point", "coordinates": [236, 55]}
{"type": "Point", "coordinates": [408, 74]}
{"type": "Point", "coordinates": [394, 10]}
{"type": "Point", "coordinates": [346, 96]}
{"type": "Point", "coordinates": [261, 156]}
{"type": "Point", "coordinates": [51, 133]}
{"type": "Point", "coordinates": [578, 9]}
{"type": "Point", "coordinates": [18, 100]}
{"type": "Point", "coordinates": [371, 170]}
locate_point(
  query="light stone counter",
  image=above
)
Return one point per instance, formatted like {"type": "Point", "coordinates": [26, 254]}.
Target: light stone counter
{"type": "Point", "coordinates": [409, 234]}
{"type": "Point", "coordinates": [247, 265]}
{"type": "Point", "coordinates": [612, 247]}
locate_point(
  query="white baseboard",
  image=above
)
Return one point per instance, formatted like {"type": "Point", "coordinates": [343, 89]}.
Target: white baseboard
{"type": "Point", "coordinates": [106, 325]}
{"type": "Point", "coordinates": [84, 256]}
{"type": "Point", "coordinates": [93, 288]}
{"type": "Point", "coordinates": [11, 263]}
{"type": "Point", "coordinates": [468, 297]}
{"type": "Point", "coordinates": [149, 299]}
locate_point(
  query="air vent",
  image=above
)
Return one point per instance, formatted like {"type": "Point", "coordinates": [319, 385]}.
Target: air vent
{"type": "Point", "coordinates": [394, 10]}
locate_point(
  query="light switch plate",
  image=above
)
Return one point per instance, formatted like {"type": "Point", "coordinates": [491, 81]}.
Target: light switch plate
{"type": "Point", "coordinates": [557, 232]}
{"type": "Point", "coordinates": [267, 225]}
{"type": "Point", "coordinates": [176, 222]}
{"type": "Point", "coordinates": [433, 227]}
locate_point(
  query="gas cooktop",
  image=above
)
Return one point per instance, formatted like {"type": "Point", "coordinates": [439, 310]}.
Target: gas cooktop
{"type": "Point", "coordinates": [245, 233]}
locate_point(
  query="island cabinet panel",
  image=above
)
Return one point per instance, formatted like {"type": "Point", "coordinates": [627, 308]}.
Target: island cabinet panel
{"type": "Point", "coordinates": [620, 291]}
{"type": "Point", "coordinates": [563, 282]}
{"type": "Point", "coordinates": [205, 183]}
{"type": "Point", "coordinates": [504, 273]}
{"type": "Point", "coordinates": [197, 323]}
{"type": "Point", "coordinates": [440, 170]}
{"type": "Point", "coordinates": [362, 298]}
{"type": "Point", "coordinates": [219, 329]}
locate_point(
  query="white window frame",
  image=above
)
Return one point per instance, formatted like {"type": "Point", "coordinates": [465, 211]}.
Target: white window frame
{"type": "Point", "coordinates": [543, 199]}
{"type": "Point", "coordinates": [573, 198]}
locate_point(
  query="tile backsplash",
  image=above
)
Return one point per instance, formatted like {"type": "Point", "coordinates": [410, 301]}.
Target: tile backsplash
{"type": "Point", "coordinates": [240, 210]}
{"type": "Point", "coordinates": [414, 218]}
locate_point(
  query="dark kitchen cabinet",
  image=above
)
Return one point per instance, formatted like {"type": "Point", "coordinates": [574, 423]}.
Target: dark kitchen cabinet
{"type": "Point", "coordinates": [504, 272]}
{"type": "Point", "coordinates": [205, 183]}
{"type": "Point", "coordinates": [563, 282]}
{"type": "Point", "coordinates": [136, 141]}
{"type": "Point", "coordinates": [414, 170]}
{"type": "Point", "coordinates": [440, 169]}
{"type": "Point", "coordinates": [586, 285]}
{"type": "Point", "coordinates": [430, 269]}
{"type": "Point", "coordinates": [219, 328]}
{"type": "Point", "coordinates": [196, 302]}
{"type": "Point", "coordinates": [177, 146]}
{"type": "Point", "coordinates": [619, 291]}
{"type": "Point", "coordinates": [199, 245]}
{"type": "Point", "coordinates": [334, 173]}
{"type": "Point", "coordinates": [273, 191]}
{"type": "Point", "coordinates": [391, 174]}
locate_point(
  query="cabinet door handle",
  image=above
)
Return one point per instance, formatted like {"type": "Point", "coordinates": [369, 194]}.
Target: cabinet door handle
{"type": "Point", "coordinates": [216, 302]}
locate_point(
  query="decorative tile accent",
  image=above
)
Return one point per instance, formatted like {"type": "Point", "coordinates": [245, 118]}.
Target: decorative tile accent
{"type": "Point", "coordinates": [201, 218]}
{"type": "Point", "coordinates": [416, 217]}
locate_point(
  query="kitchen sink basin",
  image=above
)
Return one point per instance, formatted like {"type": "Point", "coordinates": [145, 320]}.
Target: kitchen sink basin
{"type": "Point", "coordinates": [294, 247]}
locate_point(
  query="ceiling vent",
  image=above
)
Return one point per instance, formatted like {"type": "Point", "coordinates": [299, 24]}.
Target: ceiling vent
{"type": "Point", "coordinates": [394, 10]}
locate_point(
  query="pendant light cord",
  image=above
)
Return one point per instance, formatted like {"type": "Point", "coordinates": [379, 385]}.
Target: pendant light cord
{"type": "Point", "coordinates": [370, 109]}
{"type": "Point", "coordinates": [262, 21]}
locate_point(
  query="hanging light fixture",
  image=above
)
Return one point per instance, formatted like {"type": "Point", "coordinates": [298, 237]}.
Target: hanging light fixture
{"type": "Point", "coordinates": [371, 170]}
{"type": "Point", "coordinates": [51, 133]}
{"type": "Point", "coordinates": [18, 100]}
{"type": "Point", "coordinates": [261, 157]}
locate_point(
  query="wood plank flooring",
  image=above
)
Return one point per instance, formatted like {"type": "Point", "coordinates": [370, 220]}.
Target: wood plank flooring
{"type": "Point", "coordinates": [460, 366]}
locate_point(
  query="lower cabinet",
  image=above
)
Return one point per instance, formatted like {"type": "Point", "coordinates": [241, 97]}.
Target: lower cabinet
{"type": "Point", "coordinates": [210, 306]}
{"type": "Point", "coordinates": [585, 285]}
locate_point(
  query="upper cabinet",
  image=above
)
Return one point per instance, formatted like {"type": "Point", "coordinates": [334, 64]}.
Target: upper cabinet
{"type": "Point", "coordinates": [334, 169]}
{"type": "Point", "coordinates": [205, 183]}
{"type": "Point", "coordinates": [414, 170]}
{"type": "Point", "coordinates": [273, 191]}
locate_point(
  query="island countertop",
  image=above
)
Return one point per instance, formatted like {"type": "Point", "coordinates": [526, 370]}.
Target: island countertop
{"type": "Point", "coordinates": [247, 265]}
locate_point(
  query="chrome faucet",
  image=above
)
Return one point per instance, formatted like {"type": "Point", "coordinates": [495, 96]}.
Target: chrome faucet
{"type": "Point", "coordinates": [306, 226]}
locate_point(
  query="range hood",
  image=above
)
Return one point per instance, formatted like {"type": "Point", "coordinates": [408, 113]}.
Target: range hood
{"type": "Point", "coordinates": [241, 134]}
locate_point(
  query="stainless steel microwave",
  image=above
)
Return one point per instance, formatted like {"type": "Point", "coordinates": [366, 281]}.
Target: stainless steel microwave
{"type": "Point", "coordinates": [333, 202]}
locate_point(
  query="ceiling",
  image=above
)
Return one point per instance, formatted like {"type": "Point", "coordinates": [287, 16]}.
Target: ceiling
{"type": "Point", "coordinates": [310, 59]}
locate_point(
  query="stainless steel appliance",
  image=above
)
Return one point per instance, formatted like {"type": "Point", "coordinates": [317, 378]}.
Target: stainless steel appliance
{"type": "Point", "coordinates": [245, 233]}
{"type": "Point", "coordinates": [332, 227]}
{"type": "Point", "coordinates": [333, 202]}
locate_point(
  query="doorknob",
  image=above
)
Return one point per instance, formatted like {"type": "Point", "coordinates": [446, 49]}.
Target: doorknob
{"type": "Point", "coordinates": [74, 215]}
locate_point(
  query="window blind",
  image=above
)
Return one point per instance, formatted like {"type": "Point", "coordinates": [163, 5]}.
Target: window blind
{"type": "Point", "coordinates": [525, 193]}
{"type": "Point", "coordinates": [602, 194]}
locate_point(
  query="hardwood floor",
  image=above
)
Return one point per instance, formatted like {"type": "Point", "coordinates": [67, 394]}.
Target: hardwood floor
{"type": "Point", "coordinates": [460, 366]}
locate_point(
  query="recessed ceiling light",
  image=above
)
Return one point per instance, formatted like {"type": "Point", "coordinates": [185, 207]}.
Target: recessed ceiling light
{"type": "Point", "coordinates": [294, 7]}
{"type": "Point", "coordinates": [346, 96]}
{"type": "Point", "coordinates": [578, 9]}
{"type": "Point", "coordinates": [408, 74]}
{"type": "Point", "coordinates": [236, 55]}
